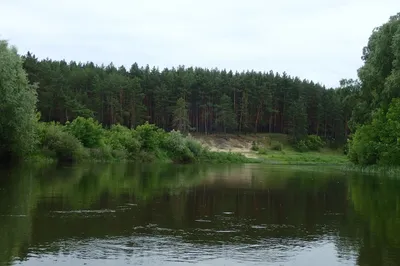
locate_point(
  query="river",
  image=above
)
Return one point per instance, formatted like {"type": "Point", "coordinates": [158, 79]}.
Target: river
{"type": "Point", "coordinates": [121, 214]}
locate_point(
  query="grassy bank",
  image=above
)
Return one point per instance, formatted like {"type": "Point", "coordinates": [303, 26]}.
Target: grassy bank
{"type": "Point", "coordinates": [294, 157]}
{"type": "Point", "coordinates": [86, 140]}
{"type": "Point", "coordinates": [273, 149]}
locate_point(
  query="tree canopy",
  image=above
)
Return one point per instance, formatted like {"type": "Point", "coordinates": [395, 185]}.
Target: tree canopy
{"type": "Point", "coordinates": [376, 115]}
{"type": "Point", "coordinates": [17, 107]}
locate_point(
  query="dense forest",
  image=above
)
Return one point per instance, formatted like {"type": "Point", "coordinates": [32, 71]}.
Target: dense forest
{"type": "Point", "coordinates": [217, 100]}
{"type": "Point", "coordinates": [364, 114]}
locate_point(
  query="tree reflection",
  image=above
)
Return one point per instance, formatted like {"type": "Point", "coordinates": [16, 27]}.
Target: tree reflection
{"type": "Point", "coordinates": [43, 207]}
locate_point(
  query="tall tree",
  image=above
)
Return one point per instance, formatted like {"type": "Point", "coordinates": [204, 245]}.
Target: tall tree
{"type": "Point", "coordinates": [297, 120]}
{"type": "Point", "coordinates": [181, 117]}
{"type": "Point", "coordinates": [17, 105]}
{"type": "Point", "coordinates": [380, 74]}
{"type": "Point", "coordinates": [226, 118]}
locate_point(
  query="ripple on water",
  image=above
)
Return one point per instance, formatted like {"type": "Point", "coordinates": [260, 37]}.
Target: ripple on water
{"type": "Point", "coordinates": [203, 221]}
{"type": "Point", "coordinates": [85, 211]}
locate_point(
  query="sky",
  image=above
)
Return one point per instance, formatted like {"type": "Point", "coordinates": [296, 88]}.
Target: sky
{"type": "Point", "coordinates": [319, 40]}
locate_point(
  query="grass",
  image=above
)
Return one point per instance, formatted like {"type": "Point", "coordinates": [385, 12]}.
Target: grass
{"type": "Point", "coordinates": [273, 149]}
{"type": "Point", "coordinates": [269, 153]}
{"type": "Point", "coordinates": [293, 157]}
{"type": "Point", "coordinates": [226, 157]}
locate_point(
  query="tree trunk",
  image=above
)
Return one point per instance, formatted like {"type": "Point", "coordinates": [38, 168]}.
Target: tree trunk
{"type": "Point", "coordinates": [257, 118]}
{"type": "Point", "coordinates": [66, 115]}
{"type": "Point", "coordinates": [270, 123]}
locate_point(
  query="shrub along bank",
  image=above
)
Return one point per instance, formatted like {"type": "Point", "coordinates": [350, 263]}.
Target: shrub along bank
{"type": "Point", "coordinates": [86, 139]}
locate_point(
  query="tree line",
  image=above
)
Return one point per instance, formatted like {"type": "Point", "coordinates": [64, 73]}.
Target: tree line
{"type": "Point", "coordinates": [196, 99]}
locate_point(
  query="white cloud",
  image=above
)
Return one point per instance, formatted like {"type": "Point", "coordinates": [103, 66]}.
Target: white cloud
{"type": "Point", "coordinates": [320, 40]}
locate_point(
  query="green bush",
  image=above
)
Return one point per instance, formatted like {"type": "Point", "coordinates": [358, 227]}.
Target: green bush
{"type": "Point", "coordinates": [89, 132]}
{"type": "Point", "coordinates": [103, 153]}
{"type": "Point", "coordinates": [301, 146]}
{"type": "Point", "coordinates": [277, 146]}
{"type": "Point", "coordinates": [363, 148]}
{"type": "Point", "coordinates": [175, 144]}
{"type": "Point", "coordinates": [309, 143]}
{"type": "Point", "coordinates": [147, 144]}
{"type": "Point", "coordinates": [194, 146]}
{"type": "Point", "coordinates": [254, 146]}
{"type": "Point", "coordinates": [145, 156]}
{"type": "Point", "coordinates": [122, 139]}
{"type": "Point", "coordinates": [120, 155]}
{"type": "Point", "coordinates": [149, 136]}
{"type": "Point", "coordinates": [263, 151]}
{"type": "Point", "coordinates": [314, 143]}
{"type": "Point", "coordinates": [379, 141]}
{"type": "Point", "coordinates": [56, 142]}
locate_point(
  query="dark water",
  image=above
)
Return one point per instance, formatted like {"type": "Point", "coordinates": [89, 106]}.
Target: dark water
{"type": "Point", "coordinates": [197, 215]}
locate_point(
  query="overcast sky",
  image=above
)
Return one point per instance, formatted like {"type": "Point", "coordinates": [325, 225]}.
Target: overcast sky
{"type": "Point", "coordinates": [320, 40]}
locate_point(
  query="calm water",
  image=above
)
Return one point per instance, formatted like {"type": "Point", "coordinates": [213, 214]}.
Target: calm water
{"type": "Point", "coordinates": [197, 215]}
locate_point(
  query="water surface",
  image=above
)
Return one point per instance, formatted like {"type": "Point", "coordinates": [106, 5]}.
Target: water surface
{"type": "Point", "coordinates": [197, 215]}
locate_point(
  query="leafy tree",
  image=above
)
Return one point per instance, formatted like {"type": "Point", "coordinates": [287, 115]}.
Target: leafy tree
{"type": "Point", "coordinates": [378, 141]}
{"type": "Point", "coordinates": [87, 130]}
{"type": "Point", "coordinates": [380, 74]}
{"type": "Point", "coordinates": [17, 106]}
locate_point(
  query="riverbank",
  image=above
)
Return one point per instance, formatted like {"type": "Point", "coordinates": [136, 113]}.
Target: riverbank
{"type": "Point", "coordinates": [84, 139]}
{"type": "Point", "coordinates": [271, 149]}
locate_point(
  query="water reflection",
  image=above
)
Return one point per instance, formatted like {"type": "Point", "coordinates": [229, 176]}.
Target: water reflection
{"type": "Point", "coordinates": [222, 215]}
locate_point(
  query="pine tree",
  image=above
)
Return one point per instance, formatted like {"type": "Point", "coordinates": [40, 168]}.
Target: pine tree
{"type": "Point", "coordinates": [297, 120]}
{"type": "Point", "coordinates": [244, 113]}
{"type": "Point", "coordinates": [181, 116]}
{"type": "Point", "coordinates": [226, 118]}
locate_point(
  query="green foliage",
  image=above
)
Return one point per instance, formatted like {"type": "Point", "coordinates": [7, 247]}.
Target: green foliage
{"type": "Point", "coordinates": [87, 130]}
{"type": "Point", "coordinates": [380, 74]}
{"type": "Point", "coordinates": [301, 146]}
{"type": "Point", "coordinates": [226, 117]}
{"type": "Point", "coordinates": [255, 146]}
{"type": "Point", "coordinates": [277, 146]}
{"type": "Point", "coordinates": [263, 151]}
{"type": "Point", "coordinates": [226, 157]}
{"type": "Point", "coordinates": [309, 143]}
{"type": "Point", "coordinates": [176, 146]}
{"type": "Point", "coordinates": [314, 142]}
{"type": "Point", "coordinates": [297, 120]}
{"type": "Point", "coordinates": [379, 141]}
{"type": "Point", "coordinates": [210, 100]}
{"type": "Point", "coordinates": [296, 157]}
{"type": "Point", "coordinates": [181, 116]}
{"type": "Point", "coordinates": [194, 146]}
{"type": "Point", "coordinates": [17, 106]}
{"type": "Point", "coordinates": [149, 136]}
{"type": "Point", "coordinates": [123, 140]}
{"type": "Point", "coordinates": [55, 142]}
{"type": "Point", "coordinates": [104, 153]}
